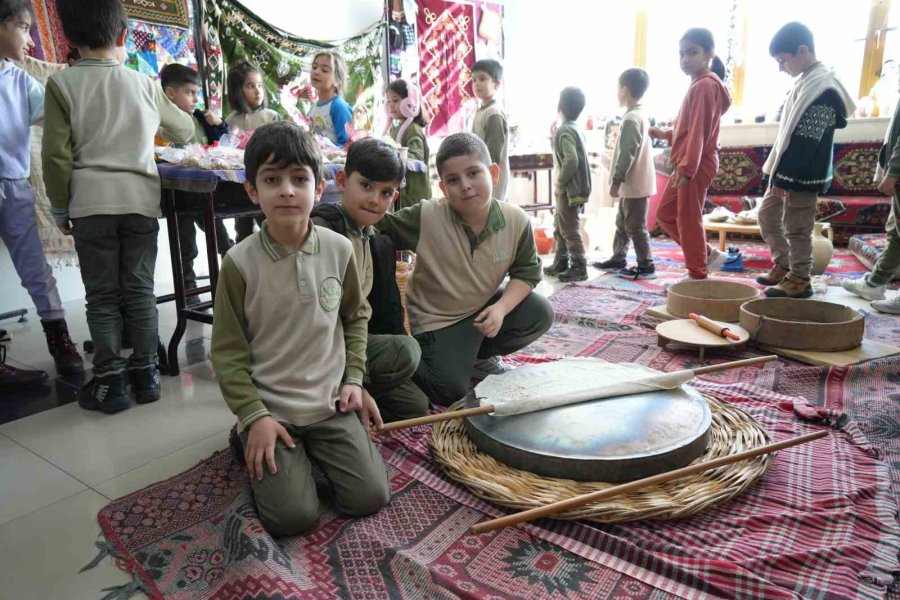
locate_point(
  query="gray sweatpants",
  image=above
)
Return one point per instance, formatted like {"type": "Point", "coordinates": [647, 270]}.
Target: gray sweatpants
{"type": "Point", "coordinates": [786, 225]}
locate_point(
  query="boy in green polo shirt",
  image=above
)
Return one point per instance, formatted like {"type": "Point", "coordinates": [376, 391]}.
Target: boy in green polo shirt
{"type": "Point", "coordinates": [466, 244]}
{"type": "Point", "coordinates": [369, 184]}
{"type": "Point", "coordinates": [289, 343]}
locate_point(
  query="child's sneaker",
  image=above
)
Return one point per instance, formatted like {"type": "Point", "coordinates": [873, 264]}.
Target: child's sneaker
{"type": "Point", "coordinates": [790, 287]}
{"type": "Point", "coordinates": [715, 259]}
{"type": "Point", "coordinates": [637, 272]}
{"type": "Point", "coordinates": [890, 307]}
{"type": "Point", "coordinates": [610, 265]}
{"type": "Point", "coordinates": [577, 271]}
{"type": "Point", "coordinates": [862, 288]}
{"type": "Point", "coordinates": [560, 264]}
{"type": "Point", "coordinates": [145, 384]}
{"type": "Point", "coordinates": [489, 366]}
{"type": "Point", "coordinates": [105, 393]}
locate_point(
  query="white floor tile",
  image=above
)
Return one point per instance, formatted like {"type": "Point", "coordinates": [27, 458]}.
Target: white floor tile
{"type": "Point", "coordinates": [42, 552]}
{"type": "Point", "coordinates": [94, 447]}
{"type": "Point", "coordinates": [163, 468]}
{"type": "Point", "coordinates": [28, 482]}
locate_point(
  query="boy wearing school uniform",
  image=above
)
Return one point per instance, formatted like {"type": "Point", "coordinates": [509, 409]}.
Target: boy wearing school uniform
{"type": "Point", "coordinates": [466, 244]}
{"type": "Point", "coordinates": [289, 345]}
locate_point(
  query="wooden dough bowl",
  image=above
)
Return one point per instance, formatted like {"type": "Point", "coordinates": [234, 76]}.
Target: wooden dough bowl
{"type": "Point", "coordinates": [717, 299]}
{"type": "Point", "coordinates": [803, 324]}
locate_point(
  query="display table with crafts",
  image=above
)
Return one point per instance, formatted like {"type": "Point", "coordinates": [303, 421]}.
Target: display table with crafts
{"type": "Point", "coordinates": [211, 194]}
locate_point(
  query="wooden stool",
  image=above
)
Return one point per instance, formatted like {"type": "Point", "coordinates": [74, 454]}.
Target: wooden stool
{"type": "Point", "coordinates": [686, 331]}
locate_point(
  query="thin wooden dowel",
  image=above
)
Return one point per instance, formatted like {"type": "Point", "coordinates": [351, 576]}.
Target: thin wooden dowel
{"type": "Point", "coordinates": [625, 488]}
{"type": "Point", "coordinates": [444, 416]}
{"type": "Point", "coordinates": [735, 364]}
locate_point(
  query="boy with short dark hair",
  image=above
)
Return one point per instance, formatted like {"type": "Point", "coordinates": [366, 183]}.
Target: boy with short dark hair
{"type": "Point", "coordinates": [466, 244]}
{"type": "Point", "coordinates": [572, 190]}
{"type": "Point", "coordinates": [101, 178]}
{"type": "Point", "coordinates": [633, 181]}
{"type": "Point", "coordinates": [22, 104]}
{"type": "Point", "coordinates": [289, 344]}
{"type": "Point", "coordinates": [369, 183]}
{"type": "Point", "coordinates": [181, 85]}
{"type": "Point", "coordinates": [490, 123]}
{"type": "Point", "coordinates": [799, 167]}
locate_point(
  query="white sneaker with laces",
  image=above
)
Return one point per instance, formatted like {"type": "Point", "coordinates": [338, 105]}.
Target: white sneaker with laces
{"type": "Point", "coordinates": [489, 366]}
{"type": "Point", "coordinates": [862, 288]}
{"type": "Point", "coordinates": [891, 307]}
{"type": "Point", "coordinates": [715, 260]}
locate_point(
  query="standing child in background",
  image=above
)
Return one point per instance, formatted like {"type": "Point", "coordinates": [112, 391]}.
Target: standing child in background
{"type": "Point", "coordinates": [572, 191]}
{"type": "Point", "coordinates": [330, 115]}
{"type": "Point", "coordinates": [403, 103]}
{"type": "Point", "coordinates": [490, 122]}
{"type": "Point", "coordinates": [181, 85]}
{"type": "Point", "coordinates": [799, 166]}
{"type": "Point", "coordinates": [694, 153]}
{"type": "Point", "coordinates": [871, 286]}
{"type": "Point", "coordinates": [289, 345]}
{"type": "Point", "coordinates": [21, 104]}
{"type": "Point", "coordinates": [100, 119]}
{"type": "Point", "coordinates": [247, 96]}
{"type": "Point", "coordinates": [632, 180]}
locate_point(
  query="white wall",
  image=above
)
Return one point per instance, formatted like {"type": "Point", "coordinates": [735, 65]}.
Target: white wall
{"type": "Point", "coordinates": [325, 21]}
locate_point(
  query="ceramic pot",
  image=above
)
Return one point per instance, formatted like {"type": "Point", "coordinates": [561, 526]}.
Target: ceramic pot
{"type": "Point", "coordinates": [823, 247]}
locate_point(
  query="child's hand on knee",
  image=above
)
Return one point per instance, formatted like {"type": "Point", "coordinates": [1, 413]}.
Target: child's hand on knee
{"type": "Point", "coordinates": [261, 440]}
{"type": "Point", "coordinates": [351, 398]}
{"type": "Point", "coordinates": [490, 320]}
{"type": "Point", "coordinates": [368, 414]}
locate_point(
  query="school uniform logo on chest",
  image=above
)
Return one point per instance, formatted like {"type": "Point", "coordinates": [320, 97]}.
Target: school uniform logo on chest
{"type": "Point", "coordinates": [330, 294]}
{"type": "Point", "coordinates": [502, 256]}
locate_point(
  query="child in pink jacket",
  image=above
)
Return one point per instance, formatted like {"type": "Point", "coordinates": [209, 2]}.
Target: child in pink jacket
{"type": "Point", "coordinates": [694, 153]}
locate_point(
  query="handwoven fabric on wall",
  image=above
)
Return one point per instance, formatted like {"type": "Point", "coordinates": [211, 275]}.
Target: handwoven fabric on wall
{"type": "Point", "coordinates": [161, 12]}
{"type": "Point", "coordinates": [234, 33]}
{"type": "Point", "coordinates": [50, 43]}
{"type": "Point", "coordinates": [446, 54]}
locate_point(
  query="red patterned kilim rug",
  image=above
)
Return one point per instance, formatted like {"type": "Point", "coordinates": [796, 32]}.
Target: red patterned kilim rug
{"type": "Point", "coordinates": [822, 522]}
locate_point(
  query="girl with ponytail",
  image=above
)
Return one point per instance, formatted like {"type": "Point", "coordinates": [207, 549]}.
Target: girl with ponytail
{"type": "Point", "coordinates": [694, 153]}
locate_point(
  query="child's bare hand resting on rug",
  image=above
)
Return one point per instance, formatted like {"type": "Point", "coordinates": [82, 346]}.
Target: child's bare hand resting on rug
{"type": "Point", "coordinates": [264, 432]}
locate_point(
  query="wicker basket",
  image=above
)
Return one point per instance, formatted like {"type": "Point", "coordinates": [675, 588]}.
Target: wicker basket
{"type": "Point", "coordinates": [732, 431]}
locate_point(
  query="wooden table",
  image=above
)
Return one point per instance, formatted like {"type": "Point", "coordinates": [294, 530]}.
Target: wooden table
{"type": "Point", "coordinates": [726, 228]}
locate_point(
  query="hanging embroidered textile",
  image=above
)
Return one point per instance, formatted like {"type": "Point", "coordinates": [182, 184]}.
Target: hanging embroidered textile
{"type": "Point", "coordinates": [162, 12]}
{"type": "Point", "coordinates": [446, 55]}
{"type": "Point", "coordinates": [150, 47]}
{"type": "Point", "coordinates": [50, 43]}
{"type": "Point", "coordinates": [234, 33]}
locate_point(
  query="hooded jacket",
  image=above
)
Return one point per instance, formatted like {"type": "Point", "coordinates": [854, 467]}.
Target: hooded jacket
{"type": "Point", "coordinates": [695, 139]}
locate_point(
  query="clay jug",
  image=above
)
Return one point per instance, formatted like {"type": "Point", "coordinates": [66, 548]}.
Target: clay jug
{"type": "Point", "coordinates": [823, 247]}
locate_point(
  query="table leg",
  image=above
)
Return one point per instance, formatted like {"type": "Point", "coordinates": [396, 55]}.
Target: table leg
{"type": "Point", "coordinates": [551, 198]}
{"type": "Point", "coordinates": [177, 278]}
{"type": "Point", "coordinates": [212, 254]}
{"type": "Point", "coordinates": [722, 241]}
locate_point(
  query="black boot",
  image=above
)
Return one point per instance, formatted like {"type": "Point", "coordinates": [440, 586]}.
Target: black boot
{"type": "Point", "coordinates": [577, 271]}
{"type": "Point", "coordinates": [63, 351]}
{"type": "Point", "coordinates": [12, 378]}
{"type": "Point", "coordinates": [560, 264]}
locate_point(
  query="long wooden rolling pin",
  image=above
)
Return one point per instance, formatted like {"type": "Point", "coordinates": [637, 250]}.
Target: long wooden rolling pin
{"type": "Point", "coordinates": [633, 486]}
{"type": "Point", "coordinates": [483, 410]}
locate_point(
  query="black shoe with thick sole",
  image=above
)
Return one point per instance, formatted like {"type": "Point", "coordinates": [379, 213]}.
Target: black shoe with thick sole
{"type": "Point", "coordinates": [105, 393]}
{"type": "Point", "coordinates": [145, 384]}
